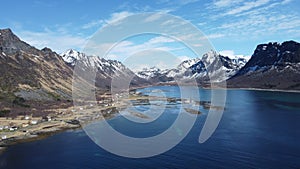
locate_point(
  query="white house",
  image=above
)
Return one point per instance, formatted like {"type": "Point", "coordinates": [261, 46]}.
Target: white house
{"type": "Point", "coordinates": [33, 122]}
{"type": "Point", "coordinates": [13, 128]}
{"type": "Point", "coordinates": [4, 137]}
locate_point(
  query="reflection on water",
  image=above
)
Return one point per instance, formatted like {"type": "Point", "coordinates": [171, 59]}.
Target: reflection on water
{"type": "Point", "coordinates": [258, 130]}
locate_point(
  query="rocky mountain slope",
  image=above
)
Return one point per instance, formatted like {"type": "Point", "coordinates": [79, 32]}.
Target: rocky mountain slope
{"type": "Point", "coordinates": [30, 73]}
{"type": "Point", "coordinates": [272, 66]}
{"type": "Point", "coordinates": [43, 75]}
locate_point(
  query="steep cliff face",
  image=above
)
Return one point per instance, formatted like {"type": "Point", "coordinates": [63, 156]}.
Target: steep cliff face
{"type": "Point", "coordinates": [272, 66]}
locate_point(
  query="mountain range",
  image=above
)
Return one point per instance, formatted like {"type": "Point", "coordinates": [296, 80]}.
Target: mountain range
{"type": "Point", "coordinates": [34, 74]}
{"type": "Point", "coordinates": [212, 67]}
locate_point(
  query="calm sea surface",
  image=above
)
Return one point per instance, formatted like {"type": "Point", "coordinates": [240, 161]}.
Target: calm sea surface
{"type": "Point", "coordinates": [259, 129]}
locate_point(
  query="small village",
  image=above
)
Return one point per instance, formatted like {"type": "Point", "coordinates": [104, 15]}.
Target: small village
{"type": "Point", "coordinates": [26, 126]}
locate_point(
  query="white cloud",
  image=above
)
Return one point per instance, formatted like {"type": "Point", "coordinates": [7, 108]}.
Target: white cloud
{"type": "Point", "coordinates": [225, 3]}
{"type": "Point", "coordinates": [229, 53]}
{"type": "Point", "coordinates": [151, 58]}
{"type": "Point", "coordinates": [176, 2]}
{"type": "Point", "coordinates": [140, 67]}
{"type": "Point", "coordinates": [215, 36]}
{"type": "Point", "coordinates": [160, 39]}
{"type": "Point", "coordinates": [153, 17]}
{"type": "Point", "coordinates": [183, 58]}
{"type": "Point", "coordinates": [113, 19]}
{"type": "Point", "coordinates": [55, 40]}
{"type": "Point", "coordinates": [286, 2]}
{"type": "Point", "coordinates": [187, 36]}
{"type": "Point", "coordinates": [127, 48]}
{"type": "Point", "coordinates": [185, 2]}
{"type": "Point", "coordinates": [261, 24]}
{"type": "Point", "coordinates": [91, 24]}
{"type": "Point", "coordinates": [253, 19]}
{"type": "Point", "coordinates": [247, 6]}
{"type": "Point", "coordinates": [197, 44]}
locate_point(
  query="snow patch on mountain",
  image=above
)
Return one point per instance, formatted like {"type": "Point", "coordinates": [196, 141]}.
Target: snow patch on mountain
{"type": "Point", "coordinates": [211, 66]}
{"type": "Point", "coordinates": [105, 66]}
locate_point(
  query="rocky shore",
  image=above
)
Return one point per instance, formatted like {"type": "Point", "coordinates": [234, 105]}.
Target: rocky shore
{"type": "Point", "coordinates": [28, 128]}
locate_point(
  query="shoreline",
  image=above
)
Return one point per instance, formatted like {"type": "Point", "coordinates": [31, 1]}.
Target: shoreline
{"type": "Point", "coordinates": [78, 117]}
{"type": "Point", "coordinates": [64, 122]}
{"type": "Point", "coordinates": [267, 90]}
{"type": "Point", "coordinates": [232, 88]}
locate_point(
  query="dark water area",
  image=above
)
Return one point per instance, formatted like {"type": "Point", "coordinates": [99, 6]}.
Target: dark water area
{"type": "Point", "coordinates": [259, 129]}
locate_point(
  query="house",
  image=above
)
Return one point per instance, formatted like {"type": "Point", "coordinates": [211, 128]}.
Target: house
{"type": "Point", "coordinates": [27, 118]}
{"type": "Point", "coordinates": [1, 127]}
{"type": "Point", "coordinates": [25, 125]}
{"type": "Point", "coordinates": [13, 128]}
{"type": "Point", "coordinates": [49, 118]}
{"type": "Point", "coordinates": [4, 137]}
{"type": "Point", "coordinates": [46, 118]}
{"type": "Point", "coordinates": [33, 122]}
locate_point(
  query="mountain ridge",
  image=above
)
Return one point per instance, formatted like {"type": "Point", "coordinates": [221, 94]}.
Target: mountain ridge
{"type": "Point", "coordinates": [205, 69]}
{"type": "Point", "coordinates": [43, 74]}
{"type": "Point", "coordinates": [272, 66]}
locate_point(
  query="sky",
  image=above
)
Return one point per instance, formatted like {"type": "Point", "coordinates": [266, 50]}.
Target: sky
{"type": "Point", "coordinates": [234, 27]}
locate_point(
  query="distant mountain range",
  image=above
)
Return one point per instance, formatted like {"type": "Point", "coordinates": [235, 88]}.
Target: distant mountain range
{"type": "Point", "coordinates": [32, 74]}
{"type": "Point", "coordinates": [211, 67]}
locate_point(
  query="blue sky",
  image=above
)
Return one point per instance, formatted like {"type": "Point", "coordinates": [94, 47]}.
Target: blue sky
{"type": "Point", "coordinates": [232, 26]}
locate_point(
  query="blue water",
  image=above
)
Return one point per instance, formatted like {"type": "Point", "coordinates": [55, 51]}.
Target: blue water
{"type": "Point", "coordinates": [259, 129]}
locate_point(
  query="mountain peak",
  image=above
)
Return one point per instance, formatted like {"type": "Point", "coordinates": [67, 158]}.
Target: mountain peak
{"type": "Point", "coordinates": [47, 50]}
{"type": "Point", "coordinates": [8, 35]}
{"type": "Point", "coordinates": [10, 43]}
{"type": "Point", "coordinates": [5, 31]}
{"type": "Point", "coordinates": [71, 56]}
{"type": "Point", "coordinates": [70, 52]}
{"type": "Point", "coordinates": [274, 54]}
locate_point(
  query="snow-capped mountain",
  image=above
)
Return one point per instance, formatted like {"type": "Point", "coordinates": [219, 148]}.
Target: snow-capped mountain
{"type": "Point", "coordinates": [211, 67]}
{"type": "Point", "coordinates": [182, 69]}
{"type": "Point", "coordinates": [106, 68]}
{"type": "Point", "coordinates": [71, 56]}
{"type": "Point", "coordinates": [148, 73]}
{"type": "Point", "coordinates": [216, 68]}
{"type": "Point", "coordinates": [272, 65]}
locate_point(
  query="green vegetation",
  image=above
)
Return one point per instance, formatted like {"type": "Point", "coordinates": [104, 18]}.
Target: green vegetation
{"type": "Point", "coordinates": [4, 113]}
